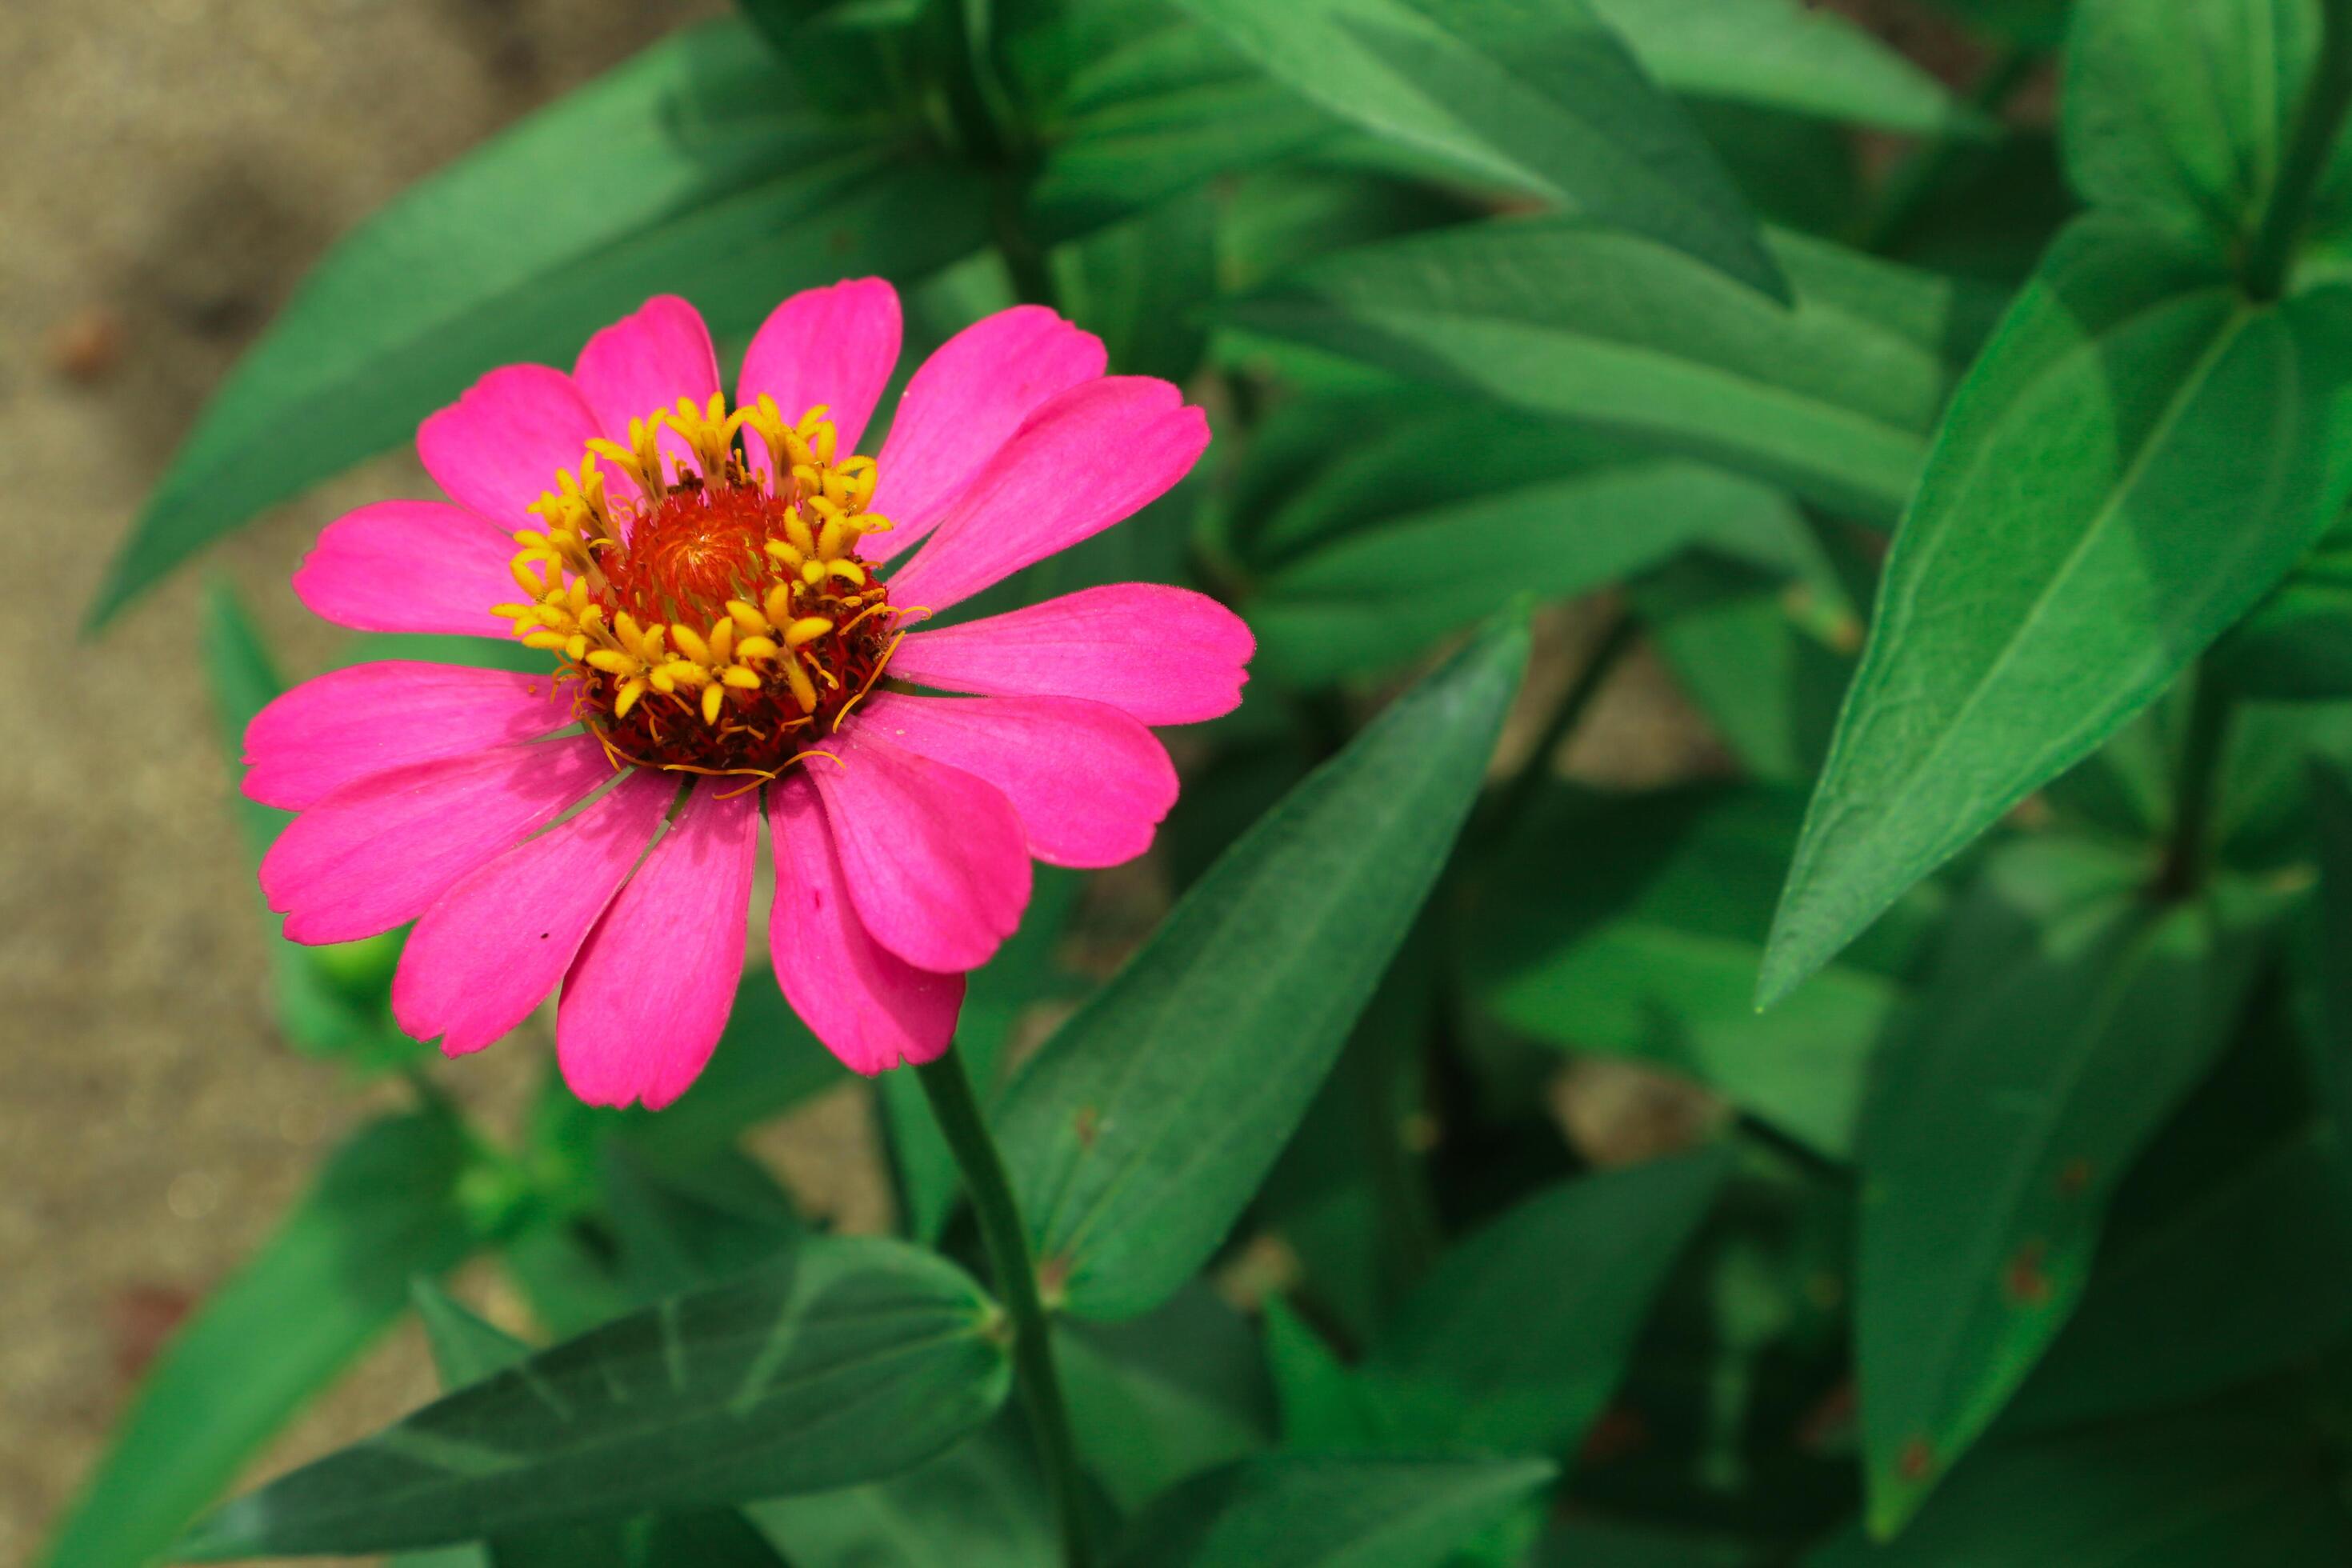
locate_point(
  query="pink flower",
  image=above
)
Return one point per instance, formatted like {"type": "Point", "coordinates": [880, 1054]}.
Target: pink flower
{"type": "Point", "coordinates": [708, 586]}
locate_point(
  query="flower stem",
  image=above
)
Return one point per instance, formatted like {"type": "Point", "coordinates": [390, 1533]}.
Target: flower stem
{"type": "Point", "coordinates": [949, 1089]}
{"type": "Point", "coordinates": [2325, 102]}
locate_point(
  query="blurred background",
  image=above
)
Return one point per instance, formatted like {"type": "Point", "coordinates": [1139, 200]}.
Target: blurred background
{"type": "Point", "coordinates": [172, 168]}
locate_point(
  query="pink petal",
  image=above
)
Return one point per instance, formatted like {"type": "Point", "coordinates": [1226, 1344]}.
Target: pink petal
{"type": "Point", "coordinates": [835, 346]}
{"type": "Point", "coordinates": [492, 947]}
{"type": "Point", "coordinates": [1168, 656]}
{"type": "Point", "coordinates": [409, 566]}
{"type": "Point", "coordinates": [350, 724]}
{"type": "Point", "coordinates": [497, 450]}
{"type": "Point", "coordinates": [644, 363]}
{"type": "Point", "coordinates": [936, 859]}
{"type": "Point", "coordinates": [1092, 456]}
{"type": "Point", "coordinates": [870, 1007]}
{"type": "Point", "coordinates": [376, 853]}
{"type": "Point", "coordinates": [1091, 784]}
{"type": "Point", "coordinates": [647, 999]}
{"type": "Point", "coordinates": [965, 402]}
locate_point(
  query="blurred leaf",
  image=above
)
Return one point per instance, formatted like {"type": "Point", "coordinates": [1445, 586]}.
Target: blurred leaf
{"type": "Point", "coordinates": [688, 169]}
{"type": "Point", "coordinates": [1545, 101]}
{"type": "Point", "coordinates": [979, 1505]}
{"type": "Point", "coordinates": [2041, 24]}
{"type": "Point", "coordinates": [331, 1001]}
{"type": "Point", "coordinates": [1597, 1544]}
{"type": "Point", "coordinates": [1291, 1510]}
{"type": "Point", "coordinates": [1326, 1407]}
{"type": "Point", "coordinates": [2066, 1016]}
{"type": "Point", "coordinates": [839, 51]}
{"type": "Point", "coordinates": [1832, 398]}
{"type": "Point", "coordinates": [2179, 115]}
{"type": "Point", "coordinates": [1378, 597]}
{"type": "Point", "coordinates": [1633, 927]}
{"type": "Point", "coordinates": [1525, 1329]}
{"type": "Point", "coordinates": [274, 1334]}
{"type": "Point", "coordinates": [2178, 1493]}
{"type": "Point", "coordinates": [1136, 1136]}
{"type": "Point", "coordinates": [1143, 285]}
{"type": "Point", "coordinates": [1275, 219]}
{"type": "Point", "coordinates": [2140, 457]}
{"type": "Point", "coordinates": [1162, 1397]}
{"type": "Point", "coordinates": [997, 995]}
{"type": "Point", "coordinates": [1785, 54]}
{"type": "Point", "coordinates": [848, 1360]}
{"type": "Point", "coordinates": [675, 1238]}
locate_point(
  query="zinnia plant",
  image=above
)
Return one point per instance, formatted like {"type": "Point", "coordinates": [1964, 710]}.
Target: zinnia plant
{"type": "Point", "coordinates": [733, 604]}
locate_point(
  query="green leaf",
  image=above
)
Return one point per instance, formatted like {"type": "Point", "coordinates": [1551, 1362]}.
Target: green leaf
{"type": "Point", "coordinates": [2066, 1016]}
{"type": "Point", "coordinates": [979, 1505]}
{"type": "Point", "coordinates": [1378, 598]}
{"type": "Point", "coordinates": [1306, 1511]}
{"type": "Point", "coordinates": [1784, 55]}
{"type": "Point", "coordinates": [1136, 1136]}
{"type": "Point", "coordinates": [1539, 99]}
{"type": "Point", "coordinates": [851, 1358]}
{"type": "Point", "coordinates": [1162, 1397]}
{"type": "Point", "coordinates": [281, 1328]}
{"type": "Point", "coordinates": [677, 1234]}
{"type": "Point", "coordinates": [2179, 114]}
{"type": "Point", "coordinates": [1649, 950]}
{"type": "Point", "coordinates": [1834, 398]}
{"type": "Point", "coordinates": [1143, 286]}
{"type": "Point", "coordinates": [2137, 459]}
{"type": "Point", "coordinates": [2037, 24]}
{"type": "Point", "coordinates": [2179, 1493]}
{"type": "Point", "coordinates": [688, 169]}
{"type": "Point", "coordinates": [1525, 1329]}
{"type": "Point", "coordinates": [995, 998]}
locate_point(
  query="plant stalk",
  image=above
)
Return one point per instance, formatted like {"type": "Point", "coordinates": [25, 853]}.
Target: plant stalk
{"type": "Point", "coordinates": [2271, 255]}
{"type": "Point", "coordinates": [949, 1089]}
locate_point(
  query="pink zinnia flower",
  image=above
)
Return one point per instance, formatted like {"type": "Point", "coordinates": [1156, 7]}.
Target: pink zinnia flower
{"type": "Point", "coordinates": [708, 587]}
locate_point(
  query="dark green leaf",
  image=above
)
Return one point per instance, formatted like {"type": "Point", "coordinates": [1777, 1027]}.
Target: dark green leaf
{"type": "Point", "coordinates": [2040, 24]}
{"type": "Point", "coordinates": [1785, 54]}
{"type": "Point", "coordinates": [2066, 1016]}
{"type": "Point", "coordinates": [2179, 114]}
{"type": "Point", "coordinates": [1649, 949]}
{"type": "Point", "coordinates": [2137, 459]}
{"type": "Point", "coordinates": [690, 169]}
{"type": "Point", "coordinates": [1832, 398]}
{"type": "Point", "coordinates": [283, 1326]}
{"type": "Point", "coordinates": [1543, 100]}
{"type": "Point", "coordinates": [1138, 1133]}
{"type": "Point", "coordinates": [2187, 1492]}
{"type": "Point", "coordinates": [979, 1505]}
{"type": "Point", "coordinates": [1526, 1327]}
{"type": "Point", "coordinates": [1162, 1397]}
{"type": "Point", "coordinates": [680, 1231]}
{"type": "Point", "coordinates": [1304, 1512]}
{"type": "Point", "coordinates": [850, 1360]}
{"type": "Point", "coordinates": [1143, 286]}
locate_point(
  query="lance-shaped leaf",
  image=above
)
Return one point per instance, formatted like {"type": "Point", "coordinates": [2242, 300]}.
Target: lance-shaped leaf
{"type": "Point", "coordinates": [690, 169]}
{"type": "Point", "coordinates": [979, 1505]}
{"type": "Point", "coordinates": [2066, 1016]}
{"type": "Point", "coordinates": [281, 1328]}
{"type": "Point", "coordinates": [1540, 98]}
{"type": "Point", "coordinates": [1788, 56]}
{"type": "Point", "coordinates": [1834, 397]}
{"type": "Point", "coordinates": [2141, 456]}
{"type": "Point", "coordinates": [1136, 1136]}
{"type": "Point", "coordinates": [848, 1361]}
{"type": "Point", "coordinates": [2180, 114]}
{"type": "Point", "coordinates": [1294, 1511]}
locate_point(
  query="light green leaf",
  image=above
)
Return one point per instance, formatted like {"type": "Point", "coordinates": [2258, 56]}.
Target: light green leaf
{"type": "Point", "coordinates": [1379, 598]}
{"type": "Point", "coordinates": [2137, 459]}
{"type": "Point", "coordinates": [979, 1505]}
{"type": "Point", "coordinates": [2179, 114]}
{"type": "Point", "coordinates": [1162, 1397]}
{"type": "Point", "coordinates": [281, 1328]}
{"type": "Point", "coordinates": [2185, 1492]}
{"type": "Point", "coordinates": [1305, 1511]}
{"type": "Point", "coordinates": [1785, 54]}
{"type": "Point", "coordinates": [2066, 1019]}
{"type": "Point", "coordinates": [849, 1360]}
{"type": "Point", "coordinates": [1136, 1136]}
{"type": "Point", "coordinates": [690, 169]}
{"type": "Point", "coordinates": [1542, 99]}
{"type": "Point", "coordinates": [1633, 927]}
{"type": "Point", "coordinates": [1834, 398]}
{"type": "Point", "coordinates": [1525, 1329]}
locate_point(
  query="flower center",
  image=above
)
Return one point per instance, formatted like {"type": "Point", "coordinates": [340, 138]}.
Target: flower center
{"type": "Point", "coordinates": [710, 609]}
